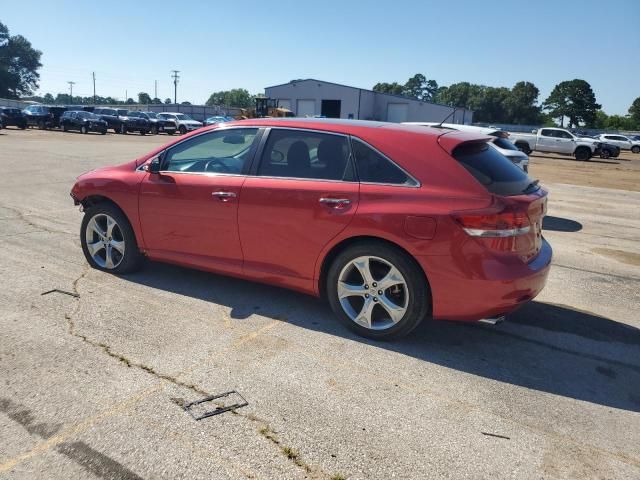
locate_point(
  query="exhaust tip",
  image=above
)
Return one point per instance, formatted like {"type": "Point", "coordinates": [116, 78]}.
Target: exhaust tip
{"type": "Point", "coordinates": [492, 320]}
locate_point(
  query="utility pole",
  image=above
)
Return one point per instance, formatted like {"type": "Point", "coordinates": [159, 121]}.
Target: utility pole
{"type": "Point", "coordinates": [71, 84]}
{"type": "Point", "coordinates": [94, 87]}
{"type": "Point", "coordinates": [175, 77]}
{"type": "Point", "coordinates": [155, 89]}
{"type": "Point", "coordinates": [126, 96]}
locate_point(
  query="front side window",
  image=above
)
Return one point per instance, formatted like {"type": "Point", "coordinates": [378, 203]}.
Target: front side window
{"type": "Point", "coordinates": [547, 133]}
{"type": "Point", "coordinates": [303, 154]}
{"type": "Point", "coordinates": [222, 151]}
{"type": "Point", "coordinates": [373, 167]}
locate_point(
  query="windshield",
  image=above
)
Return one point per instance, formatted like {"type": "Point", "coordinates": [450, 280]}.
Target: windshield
{"type": "Point", "coordinates": [182, 116]}
{"type": "Point", "coordinates": [88, 115]}
{"type": "Point", "coordinates": [504, 143]}
{"type": "Point", "coordinates": [151, 114]}
{"type": "Point", "coordinates": [122, 112]}
{"type": "Point", "coordinates": [493, 170]}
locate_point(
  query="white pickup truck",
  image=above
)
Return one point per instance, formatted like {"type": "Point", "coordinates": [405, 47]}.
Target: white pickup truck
{"type": "Point", "coordinates": [555, 140]}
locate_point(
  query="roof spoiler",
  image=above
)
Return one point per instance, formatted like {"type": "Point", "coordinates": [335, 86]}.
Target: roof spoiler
{"type": "Point", "coordinates": [449, 141]}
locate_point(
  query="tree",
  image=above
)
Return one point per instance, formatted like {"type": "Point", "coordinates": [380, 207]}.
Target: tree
{"type": "Point", "coordinates": [19, 64]}
{"type": "Point", "coordinates": [130, 101]}
{"type": "Point", "coordinates": [393, 88]}
{"type": "Point", "coordinates": [419, 87]}
{"type": "Point", "coordinates": [521, 104]}
{"type": "Point", "coordinates": [185, 103]}
{"type": "Point", "coordinates": [48, 98]}
{"type": "Point", "coordinates": [573, 99]}
{"type": "Point", "coordinates": [634, 111]}
{"type": "Point", "coordinates": [144, 98]}
{"type": "Point", "coordinates": [168, 101]}
{"type": "Point", "coordinates": [156, 100]}
{"type": "Point", "coordinates": [237, 97]}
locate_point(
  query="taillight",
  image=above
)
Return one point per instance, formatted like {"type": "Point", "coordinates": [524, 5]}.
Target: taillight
{"type": "Point", "coordinates": [509, 222]}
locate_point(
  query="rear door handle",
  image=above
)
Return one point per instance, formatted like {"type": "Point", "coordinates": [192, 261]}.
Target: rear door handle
{"type": "Point", "coordinates": [224, 196]}
{"type": "Point", "coordinates": [335, 202]}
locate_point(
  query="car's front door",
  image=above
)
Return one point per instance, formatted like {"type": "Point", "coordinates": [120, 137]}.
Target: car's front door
{"type": "Point", "coordinates": [546, 140]}
{"type": "Point", "coordinates": [565, 142]}
{"type": "Point", "coordinates": [188, 211]}
{"type": "Point", "coordinates": [301, 195]}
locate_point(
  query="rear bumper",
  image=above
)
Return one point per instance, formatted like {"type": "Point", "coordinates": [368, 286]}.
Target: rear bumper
{"type": "Point", "coordinates": [484, 288]}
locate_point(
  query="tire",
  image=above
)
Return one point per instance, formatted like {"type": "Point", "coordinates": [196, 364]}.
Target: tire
{"type": "Point", "coordinates": [582, 154]}
{"type": "Point", "coordinates": [23, 127]}
{"type": "Point", "coordinates": [41, 125]}
{"type": "Point", "coordinates": [126, 259]}
{"type": "Point", "coordinates": [170, 132]}
{"type": "Point", "coordinates": [143, 132]}
{"type": "Point", "coordinates": [606, 153]}
{"type": "Point", "coordinates": [154, 130]}
{"type": "Point", "coordinates": [411, 302]}
{"type": "Point", "coordinates": [123, 129]}
{"type": "Point", "coordinates": [84, 129]}
{"type": "Point", "coordinates": [635, 149]}
{"type": "Point", "coordinates": [103, 132]}
{"type": "Point", "coordinates": [523, 147]}
{"type": "Point", "coordinates": [182, 129]}
{"type": "Point", "coordinates": [65, 128]}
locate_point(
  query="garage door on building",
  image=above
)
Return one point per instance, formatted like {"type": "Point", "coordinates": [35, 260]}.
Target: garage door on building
{"type": "Point", "coordinates": [282, 103]}
{"type": "Point", "coordinates": [397, 112]}
{"type": "Point", "coordinates": [306, 108]}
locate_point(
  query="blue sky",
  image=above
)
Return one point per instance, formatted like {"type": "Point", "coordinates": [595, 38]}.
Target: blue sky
{"type": "Point", "coordinates": [254, 44]}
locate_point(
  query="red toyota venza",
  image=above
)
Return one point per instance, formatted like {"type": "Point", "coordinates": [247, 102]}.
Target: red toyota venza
{"type": "Point", "coordinates": [390, 223]}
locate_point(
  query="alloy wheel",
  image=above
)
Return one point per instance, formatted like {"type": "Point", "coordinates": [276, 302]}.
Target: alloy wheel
{"type": "Point", "coordinates": [372, 292]}
{"type": "Point", "coordinates": [105, 241]}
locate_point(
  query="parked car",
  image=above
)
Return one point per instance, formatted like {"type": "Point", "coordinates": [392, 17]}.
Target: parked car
{"type": "Point", "coordinates": [500, 142]}
{"type": "Point", "coordinates": [217, 119]}
{"type": "Point", "coordinates": [391, 223]}
{"type": "Point", "coordinates": [555, 140]}
{"type": "Point", "coordinates": [622, 141]}
{"type": "Point", "coordinates": [12, 117]}
{"type": "Point", "coordinates": [158, 125]}
{"type": "Point", "coordinates": [184, 123]}
{"type": "Point", "coordinates": [605, 150]}
{"type": "Point", "coordinates": [83, 121]}
{"type": "Point", "coordinates": [43, 116]}
{"type": "Point", "coordinates": [118, 120]}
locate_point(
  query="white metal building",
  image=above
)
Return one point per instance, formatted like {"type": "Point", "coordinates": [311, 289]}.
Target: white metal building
{"type": "Point", "coordinates": [310, 97]}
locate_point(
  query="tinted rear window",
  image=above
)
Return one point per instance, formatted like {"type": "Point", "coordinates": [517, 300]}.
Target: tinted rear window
{"type": "Point", "coordinates": [493, 170]}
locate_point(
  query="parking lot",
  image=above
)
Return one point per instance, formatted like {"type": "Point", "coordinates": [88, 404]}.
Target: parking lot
{"type": "Point", "coordinates": [93, 382]}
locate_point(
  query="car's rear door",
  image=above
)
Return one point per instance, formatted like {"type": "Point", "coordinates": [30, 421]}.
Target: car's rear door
{"type": "Point", "coordinates": [188, 211]}
{"type": "Point", "coordinates": [301, 194]}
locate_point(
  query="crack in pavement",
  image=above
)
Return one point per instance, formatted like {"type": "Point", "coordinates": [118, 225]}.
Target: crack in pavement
{"type": "Point", "coordinates": [23, 216]}
{"type": "Point", "coordinates": [265, 429]}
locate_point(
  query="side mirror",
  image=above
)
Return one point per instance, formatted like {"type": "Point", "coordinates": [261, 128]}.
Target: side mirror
{"type": "Point", "coordinates": [154, 165]}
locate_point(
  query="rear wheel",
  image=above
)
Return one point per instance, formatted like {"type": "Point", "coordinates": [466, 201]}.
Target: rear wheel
{"type": "Point", "coordinates": [143, 132]}
{"type": "Point", "coordinates": [65, 128]}
{"type": "Point", "coordinates": [182, 129]}
{"type": "Point", "coordinates": [523, 147]}
{"type": "Point", "coordinates": [583, 154]}
{"type": "Point", "coordinates": [377, 291]}
{"type": "Point", "coordinates": [605, 153]}
{"type": "Point", "coordinates": [41, 125]}
{"type": "Point", "coordinates": [84, 129]}
{"type": "Point", "coordinates": [635, 149]}
{"type": "Point", "coordinates": [154, 130]}
{"type": "Point", "coordinates": [108, 241]}
{"type": "Point", "coordinates": [123, 129]}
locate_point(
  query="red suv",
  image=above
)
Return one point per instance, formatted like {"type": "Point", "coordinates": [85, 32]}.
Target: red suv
{"type": "Point", "coordinates": [391, 223]}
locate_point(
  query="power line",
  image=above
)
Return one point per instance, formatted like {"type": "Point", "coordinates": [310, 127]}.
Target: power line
{"type": "Point", "coordinates": [175, 77]}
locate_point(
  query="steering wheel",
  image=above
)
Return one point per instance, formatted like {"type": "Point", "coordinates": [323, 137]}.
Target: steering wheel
{"type": "Point", "coordinates": [215, 161]}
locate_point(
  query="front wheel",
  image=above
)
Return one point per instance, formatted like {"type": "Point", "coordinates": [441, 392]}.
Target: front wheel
{"type": "Point", "coordinates": [108, 241]}
{"type": "Point", "coordinates": [377, 291]}
{"type": "Point", "coordinates": [123, 129]}
{"type": "Point", "coordinates": [635, 149]}
{"type": "Point", "coordinates": [583, 154]}
{"type": "Point", "coordinates": [65, 128]}
{"type": "Point", "coordinates": [84, 129]}
{"type": "Point", "coordinates": [182, 129]}
{"type": "Point", "coordinates": [605, 154]}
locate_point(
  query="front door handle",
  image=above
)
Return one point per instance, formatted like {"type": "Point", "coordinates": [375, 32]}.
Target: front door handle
{"type": "Point", "coordinates": [335, 202]}
{"type": "Point", "coordinates": [224, 196]}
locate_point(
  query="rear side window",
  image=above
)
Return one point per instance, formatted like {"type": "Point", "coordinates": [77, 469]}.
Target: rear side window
{"type": "Point", "coordinates": [303, 154]}
{"type": "Point", "coordinates": [373, 167]}
{"type": "Point", "coordinates": [493, 170]}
